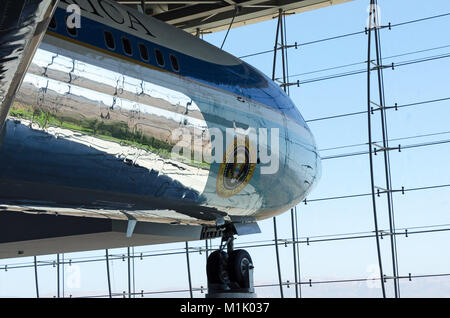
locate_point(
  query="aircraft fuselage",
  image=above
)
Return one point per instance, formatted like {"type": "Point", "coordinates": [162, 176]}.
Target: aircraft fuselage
{"type": "Point", "coordinates": [126, 115]}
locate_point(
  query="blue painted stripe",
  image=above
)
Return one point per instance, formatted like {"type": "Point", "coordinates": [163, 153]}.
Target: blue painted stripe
{"type": "Point", "coordinates": [241, 79]}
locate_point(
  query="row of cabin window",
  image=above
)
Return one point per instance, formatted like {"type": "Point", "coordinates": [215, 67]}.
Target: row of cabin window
{"type": "Point", "coordinates": [143, 51]}
{"type": "Point", "coordinates": [127, 47]}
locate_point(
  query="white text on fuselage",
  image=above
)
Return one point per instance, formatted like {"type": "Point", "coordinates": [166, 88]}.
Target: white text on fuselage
{"type": "Point", "coordinates": [107, 10]}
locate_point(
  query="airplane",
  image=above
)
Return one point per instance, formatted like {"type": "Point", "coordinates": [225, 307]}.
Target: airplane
{"type": "Point", "coordinates": [118, 115]}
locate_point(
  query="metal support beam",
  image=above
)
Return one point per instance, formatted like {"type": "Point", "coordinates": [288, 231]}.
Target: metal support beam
{"type": "Point", "coordinates": [280, 44]}
{"type": "Point", "coordinates": [129, 272]}
{"type": "Point", "coordinates": [275, 47]}
{"type": "Point", "coordinates": [189, 270]}
{"type": "Point", "coordinates": [374, 27]}
{"type": "Point", "coordinates": [280, 36]}
{"type": "Point", "coordinates": [36, 277]}
{"type": "Point", "coordinates": [57, 276]}
{"type": "Point", "coordinates": [206, 250]}
{"type": "Point", "coordinates": [63, 276]}
{"type": "Point", "coordinates": [280, 282]}
{"type": "Point", "coordinates": [387, 166]}
{"type": "Point", "coordinates": [369, 125]}
{"type": "Point", "coordinates": [298, 254]}
{"type": "Point", "coordinates": [134, 277]}
{"type": "Point", "coordinates": [294, 252]}
{"type": "Point", "coordinates": [108, 273]}
{"type": "Point", "coordinates": [284, 54]}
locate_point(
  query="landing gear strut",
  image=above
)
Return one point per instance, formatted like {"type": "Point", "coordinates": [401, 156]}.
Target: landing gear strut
{"type": "Point", "coordinates": [230, 272]}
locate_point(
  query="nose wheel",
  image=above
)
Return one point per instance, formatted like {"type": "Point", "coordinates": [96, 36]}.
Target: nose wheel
{"type": "Point", "coordinates": [217, 269]}
{"type": "Point", "coordinates": [230, 273]}
{"type": "Point", "coordinates": [239, 265]}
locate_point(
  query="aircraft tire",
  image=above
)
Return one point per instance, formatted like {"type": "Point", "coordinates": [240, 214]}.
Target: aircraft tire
{"type": "Point", "coordinates": [238, 263]}
{"type": "Point", "coordinates": [217, 269]}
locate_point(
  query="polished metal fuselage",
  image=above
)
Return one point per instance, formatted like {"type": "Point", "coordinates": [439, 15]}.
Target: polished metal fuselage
{"type": "Point", "coordinates": [92, 134]}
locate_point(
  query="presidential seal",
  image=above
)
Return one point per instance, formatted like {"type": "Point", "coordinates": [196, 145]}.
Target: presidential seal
{"type": "Point", "coordinates": [237, 168]}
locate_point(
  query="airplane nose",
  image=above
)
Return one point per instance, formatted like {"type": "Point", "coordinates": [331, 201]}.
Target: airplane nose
{"type": "Point", "coordinates": [299, 170]}
{"type": "Point", "coordinates": [314, 167]}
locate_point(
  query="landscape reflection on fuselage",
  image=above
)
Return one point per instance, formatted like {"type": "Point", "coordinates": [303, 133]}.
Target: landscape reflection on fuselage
{"type": "Point", "coordinates": [126, 114]}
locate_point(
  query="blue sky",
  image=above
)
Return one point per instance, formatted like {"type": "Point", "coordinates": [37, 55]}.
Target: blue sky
{"type": "Point", "coordinates": [411, 168]}
{"type": "Point", "coordinates": [425, 166]}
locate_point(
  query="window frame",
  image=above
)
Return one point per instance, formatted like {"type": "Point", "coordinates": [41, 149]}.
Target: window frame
{"type": "Point", "coordinates": [142, 45]}
{"type": "Point", "coordinates": [123, 39]}
{"type": "Point", "coordinates": [158, 51]}
{"type": "Point", "coordinates": [105, 32]}
{"type": "Point", "coordinates": [173, 58]}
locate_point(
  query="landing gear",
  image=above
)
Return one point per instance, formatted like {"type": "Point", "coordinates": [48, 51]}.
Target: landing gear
{"type": "Point", "coordinates": [239, 264]}
{"type": "Point", "coordinates": [217, 268]}
{"type": "Point", "coordinates": [230, 273]}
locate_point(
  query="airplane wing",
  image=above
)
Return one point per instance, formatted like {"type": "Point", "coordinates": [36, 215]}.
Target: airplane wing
{"type": "Point", "coordinates": [22, 26]}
